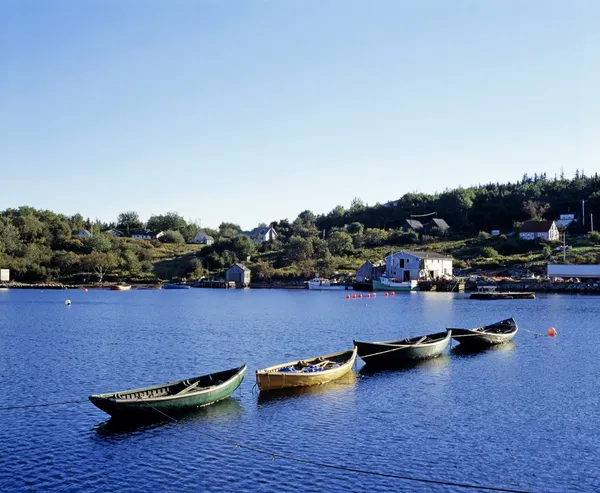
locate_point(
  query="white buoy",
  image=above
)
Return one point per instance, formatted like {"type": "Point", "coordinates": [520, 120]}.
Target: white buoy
{"type": "Point", "coordinates": [68, 302]}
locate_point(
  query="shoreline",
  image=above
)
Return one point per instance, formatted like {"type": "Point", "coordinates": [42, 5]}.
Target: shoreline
{"type": "Point", "coordinates": [472, 286]}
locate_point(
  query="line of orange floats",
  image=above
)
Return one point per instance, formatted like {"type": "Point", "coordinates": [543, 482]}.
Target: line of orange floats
{"type": "Point", "coordinates": [368, 295]}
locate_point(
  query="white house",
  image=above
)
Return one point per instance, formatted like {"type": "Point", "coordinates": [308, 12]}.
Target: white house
{"type": "Point", "coordinates": [260, 235]}
{"type": "Point", "coordinates": [413, 266]}
{"type": "Point", "coordinates": [547, 230]}
{"type": "Point", "coordinates": [146, 235]}
{"type": "Point", "coordinates": [564, 220]}
{"type": "Point", "coordinates": [203, 239]}
{"type": "Point", "coordinates": [83, 233]}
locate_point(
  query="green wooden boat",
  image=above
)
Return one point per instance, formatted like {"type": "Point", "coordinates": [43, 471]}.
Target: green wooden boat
{"type": "Point", "coordinates": [172, 397]}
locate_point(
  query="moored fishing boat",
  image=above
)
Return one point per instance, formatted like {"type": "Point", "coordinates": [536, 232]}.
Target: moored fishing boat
{"type": "Point", "coordinates": [175, 286]}
{"type": "Point", "coordinates": [488, 335]}
{"type": "Point", "coordinates": [400, 352]}
{"type": "Point", "coordinates": [304, 373]}
{"type": "Point", "coordinates": [384, 283]}
{"type": "Point", "coordinates": [318, 283]}
{"type": "Point", "coordinates": [170, 397]}
{"type": "Point", "coordinates": [120, 287]}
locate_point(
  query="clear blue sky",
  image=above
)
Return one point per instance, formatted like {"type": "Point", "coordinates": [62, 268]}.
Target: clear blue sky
{"type": "Point", "coordinates": [252, 111]}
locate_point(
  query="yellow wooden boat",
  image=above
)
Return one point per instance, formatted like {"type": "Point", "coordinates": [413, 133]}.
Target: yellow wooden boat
{"type": "Point", "coordinates": [304, 373]}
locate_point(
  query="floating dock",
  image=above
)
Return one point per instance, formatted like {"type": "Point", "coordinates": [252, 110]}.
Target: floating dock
{"type": "Point", "coordinates": [507, 295]}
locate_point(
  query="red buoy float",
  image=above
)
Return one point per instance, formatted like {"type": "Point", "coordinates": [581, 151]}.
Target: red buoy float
{"type": "Point", "coordinates": [360, 295]}
{"type": "Point", "coordinates": [347, 296]}
{"type": "Point", "coordinates": [353, 296]}
{"type": "Point", "coordinates": [374, 295]}
{"type": "Point", "coordinates": [551, 331]}
{"type": "Point", "coordinates": [367, 295]}
{"type": "Point", "coordinates": [393, 293]}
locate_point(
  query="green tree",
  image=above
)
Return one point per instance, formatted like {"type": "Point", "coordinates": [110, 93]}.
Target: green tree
{"type": "Point", "coordinates": [129, 220]}
{"type": "Point", "coordinates": [535, 209]}
{"type": "Point", "coordinates": [67, 263]}
{"type": "Point", "coordinates": [355, 228]}
{"type": "Point", "coordinates": [10, 239]}
{"type": "Point", "coordinates": [99, 263]}
{"type": "Point", "coordinates": [243, 247]}
{"type": "Point", "coordinates": [375, 236]}
{"type": "Point", "coordinates": [340, 243]}
{"type": "Point", "coordinates": [170, 220]}
{"type": "Point", "coordinates": [98, 243]}
{"type": "Point", "coordinates": [130, 263]}
{"type": "Point", "coordinates": [229, 230]}
{"type": "Point", "coordinates": [299, 249]}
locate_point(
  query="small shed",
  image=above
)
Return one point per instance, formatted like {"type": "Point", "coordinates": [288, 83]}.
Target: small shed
{"type": "Point", "coordinates": [238, 273]}
{"type": "Point", "coordinates": [440, 224]}
{"type": "Point", "coordinates": [370, 270]}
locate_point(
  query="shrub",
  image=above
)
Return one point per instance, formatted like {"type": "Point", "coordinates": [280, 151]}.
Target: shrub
{"type": "Point", "coordinates": [488, 252]}
{"type": "Point", "coordinates": [483, 235]}
{"type": "Point", "coordinates": [173, 237]}
{"type": "Point", "coordinates": [593, 237]}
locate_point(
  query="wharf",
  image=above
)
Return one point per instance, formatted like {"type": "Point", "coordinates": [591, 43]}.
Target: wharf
{"type": "Point", "coordinates": [214, 284]}
{"type": "Point", "coordinates": [442, 285]}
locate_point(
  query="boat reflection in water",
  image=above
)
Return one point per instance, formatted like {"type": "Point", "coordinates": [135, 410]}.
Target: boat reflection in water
{"type": "Point", "coordinates": [469, 352]}
{"type": "Point", "coordinates": [224, 410]}
{"type": "Point", "coordinates": [346, 383]}
{"type": "Point", "coordinates": [432, 365]}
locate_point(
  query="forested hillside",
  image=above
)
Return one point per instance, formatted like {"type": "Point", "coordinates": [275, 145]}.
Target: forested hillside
{"type": "Point", "coordinates": [40, 245]}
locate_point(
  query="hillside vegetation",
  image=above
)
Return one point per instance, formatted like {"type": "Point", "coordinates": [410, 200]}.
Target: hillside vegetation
{"type": "Point", "coordinates": [40, 245]}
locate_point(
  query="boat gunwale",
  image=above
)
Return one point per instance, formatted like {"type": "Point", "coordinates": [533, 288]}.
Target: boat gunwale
{"type": "Point", "coordinates": [271, 370]}
{"type": "Point", "coordinates": [110, 396]}
{"type": "Point", "coordinates": [398, 344]}
{"type": "Point", "coordinates": [481, 331]}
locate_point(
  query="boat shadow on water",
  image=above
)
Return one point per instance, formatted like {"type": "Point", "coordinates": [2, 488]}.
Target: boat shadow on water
{"type": "Point", "coordinates": [431, 365]}
{"type": "Point", "coordinates": [226, 409]}
{"type": "Point", "coordinates": [469, 352]}
{"type": "Point", "coordinates": [344, 383]}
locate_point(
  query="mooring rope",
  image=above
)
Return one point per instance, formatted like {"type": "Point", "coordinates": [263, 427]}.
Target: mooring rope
{"type": "Point", "coordinates": [46, 404]}
{"type": "Point", "coordinates": [275, 455]}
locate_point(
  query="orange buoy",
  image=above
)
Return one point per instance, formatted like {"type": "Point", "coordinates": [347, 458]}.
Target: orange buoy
{"type": "Point", "coordinates": [393, 293]}
{"type": "Point", "coordinates": [551, 331]}
{"type": "Point", "coordinates": [353, 296]}
{"type": "Point", "coordinates": [385, 294]}
{"type": "Point", "coordinates": [347, 296]}
{"type": "Point", "coordinates": [360, 295]}
{"type": "Point", "coordinates": [367, 295]}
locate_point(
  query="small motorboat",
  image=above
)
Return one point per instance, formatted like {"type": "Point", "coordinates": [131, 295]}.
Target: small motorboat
{"type": "Point", "coordinates": [175, 286]}
{"type": "Point", "coordinates": [320, 284]}
{"type": "Point", "coordinates": [170, 397]}
{"type": "Point", "coordinates": [398, 353]}
{"type": "Point", "coordinates": [488, 335]}
{"type": "Point", "coordinates": [120, 287]}
{"type": "Point", "coordinates": [304, 373]}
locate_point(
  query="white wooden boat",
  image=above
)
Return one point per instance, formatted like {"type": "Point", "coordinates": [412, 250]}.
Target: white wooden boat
{"type": "Point", "coordinates": [386, 284]}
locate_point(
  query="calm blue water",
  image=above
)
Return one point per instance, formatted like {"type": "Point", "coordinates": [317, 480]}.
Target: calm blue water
{"type": "Point", "coordinates": [525, 416]}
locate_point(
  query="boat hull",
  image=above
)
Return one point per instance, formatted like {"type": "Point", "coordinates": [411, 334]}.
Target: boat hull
{"type": "Point", "coordinates": [329, 288]}
{"type": "Point", "coordinates": [271, 379]}
{"type": "Point", "coordinates": [395, 286]}
{"type": "Point", "coordinates": [399, 353]}
{"type": "Point", "coordinates": [175, 286]}
{"type": "Point", "coordinates": [120, 288]}
{"type": "Point", "coordinates": [118, 405]}
{"type": "Point", "coordinates": [490, 335]}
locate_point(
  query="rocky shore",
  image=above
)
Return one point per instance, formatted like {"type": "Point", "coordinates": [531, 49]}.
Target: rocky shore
{"type": "Point", "coordinates": [538, 286]}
